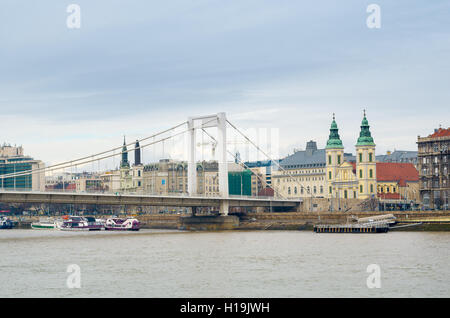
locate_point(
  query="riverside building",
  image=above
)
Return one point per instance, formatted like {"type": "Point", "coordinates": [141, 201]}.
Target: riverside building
{"type": "Point", "coordinates": [331, 173]}
{"type": "Point", "coordinates": [434, 169]}
{"type": "Point", "coordinates": [12, 160]}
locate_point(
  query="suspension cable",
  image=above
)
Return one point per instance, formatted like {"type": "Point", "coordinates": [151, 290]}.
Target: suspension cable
{"type": "Point", "coordinates": [246, 166]}
{"type": "Point", "coordinates": [33, 171]}
{"type": "Point", "coordinates": [265, 154]}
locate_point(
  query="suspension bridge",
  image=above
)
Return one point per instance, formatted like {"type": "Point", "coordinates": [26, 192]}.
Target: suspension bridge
{"type": "Point", "coordinates": [190, 198]}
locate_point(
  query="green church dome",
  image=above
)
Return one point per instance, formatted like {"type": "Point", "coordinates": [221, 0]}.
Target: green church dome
{"type": "Point", "coordinates": [334, 141]}
{"type": "Point", "coordinates": [365, 138]}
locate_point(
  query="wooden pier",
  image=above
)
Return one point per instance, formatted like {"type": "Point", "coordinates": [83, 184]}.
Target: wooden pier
{"type": "Point", "coordinates": [351, 228]}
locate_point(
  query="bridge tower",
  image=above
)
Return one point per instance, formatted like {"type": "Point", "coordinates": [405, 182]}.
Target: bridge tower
{"type": "Point", "coordinates": [218, 120]}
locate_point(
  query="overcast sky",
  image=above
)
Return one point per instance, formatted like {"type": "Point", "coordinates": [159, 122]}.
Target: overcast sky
{"type": "Point", "coordinates": [137, 67]}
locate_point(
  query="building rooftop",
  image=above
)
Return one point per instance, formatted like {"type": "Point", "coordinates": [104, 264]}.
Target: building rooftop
{"type": "Point", "coordinates": [440, 133]}
{"type": "Point", "coordinates": [304, 158]}
{"type": "Point", "coordinates": [398, 156]}
{"type": "Point", "coordinates": [309, 158]}
{"type": "Point", "coordinates": [400, 172]}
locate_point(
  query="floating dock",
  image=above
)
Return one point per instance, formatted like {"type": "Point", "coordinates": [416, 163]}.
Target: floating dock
{"type": "Point", "coordinates": [351, 228]}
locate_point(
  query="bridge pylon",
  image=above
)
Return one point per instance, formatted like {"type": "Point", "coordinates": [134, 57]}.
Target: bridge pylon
{"type": "Point", "coordinates": [219, 121]}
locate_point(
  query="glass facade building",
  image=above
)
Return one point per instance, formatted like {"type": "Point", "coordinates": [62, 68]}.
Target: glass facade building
{"type": "Point", "coordinates": [19, 164]}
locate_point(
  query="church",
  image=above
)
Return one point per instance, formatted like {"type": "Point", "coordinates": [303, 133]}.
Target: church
{"type": "Point", "coordinates": [362, 177]}
{"type": "Point", "coordinates": [351, 180]}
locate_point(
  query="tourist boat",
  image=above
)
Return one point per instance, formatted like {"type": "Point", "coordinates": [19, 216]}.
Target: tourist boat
{"type": "Point", "coordinates": [80, 223]}
{"type": "Point", "coordinates": [46, 223]}
{"type": "Point", "coordinates": [6, 223]}
{"type": "Point", "coordinates": [122, 224]}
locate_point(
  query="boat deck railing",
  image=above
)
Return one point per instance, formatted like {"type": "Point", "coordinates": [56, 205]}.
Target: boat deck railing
{"type": "Point", "coordinates": [353, 225]}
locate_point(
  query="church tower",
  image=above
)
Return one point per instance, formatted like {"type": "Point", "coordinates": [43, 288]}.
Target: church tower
{"type": "Point", "coordinates": [137, 154]}
{"type": "Point", "coordinates": [124, 162]}
{"type": "Point", "coordinates": [365, 162]}
{"type": "Point", "coordinates": [334, 157]}
{"type": "Point", "coordinates": [125, 177]}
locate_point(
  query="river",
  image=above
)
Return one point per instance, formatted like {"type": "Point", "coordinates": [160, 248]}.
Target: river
{"type": "Point", "coordinates": [161, 263]}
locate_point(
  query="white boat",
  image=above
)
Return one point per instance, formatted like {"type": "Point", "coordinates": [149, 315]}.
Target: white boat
{"type": "Point", "coordinates": [44, 223]}
{"type": "Point", "coordinates": [6, 223]}
{"type": "Point", "coordinates": [122, 224]}
{"type": "Point", "coordinates": [80, 223]}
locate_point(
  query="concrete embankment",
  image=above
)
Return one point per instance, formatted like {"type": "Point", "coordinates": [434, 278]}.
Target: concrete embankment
{"type": "Point", "coordinates": [430, 221]}
{"type": "Point", "coordinates": [407, 221]}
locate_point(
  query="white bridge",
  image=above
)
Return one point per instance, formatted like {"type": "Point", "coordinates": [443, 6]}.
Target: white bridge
{"type": "Point", "coordinates": [192, 199]}
{"type": "Point", "coordinates": [146, 200]}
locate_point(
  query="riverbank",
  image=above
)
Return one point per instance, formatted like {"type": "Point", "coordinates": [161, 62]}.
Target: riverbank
{"type": "Point", "coordinates": [298, 221]}
{"type": "Point", "coordinates": [430, 221]}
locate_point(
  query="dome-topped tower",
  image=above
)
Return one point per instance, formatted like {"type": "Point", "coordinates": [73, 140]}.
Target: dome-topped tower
{"type": "Point", "coordinates": [365, 137]}
{"type": "Point", "coordinates": [334, 141]}
{"type": "Point", "coordinates": [365, 162]}
{"type": "Point", "coordinates": [334, 156]}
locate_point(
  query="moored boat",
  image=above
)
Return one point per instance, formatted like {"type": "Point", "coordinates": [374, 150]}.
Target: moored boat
{"type": "Point", "coordinates": [122, 224]}
{"type": "Point", "coordinates": [6, 223]}
{"type": "Point", "coordinates": [47, 223]}
{"type": "Point", "coordinates": [80, 223]}
{"type": "Point", "coordinates": [372, 224]}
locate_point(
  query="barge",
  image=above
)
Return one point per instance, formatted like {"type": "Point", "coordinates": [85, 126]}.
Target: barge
{"type": "Point", "coordinates": [352, 228]}
{"type": "Point", "coordinates": [373, 224]}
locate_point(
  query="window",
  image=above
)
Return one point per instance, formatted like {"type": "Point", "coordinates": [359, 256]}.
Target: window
{"type": "Point", "coordinates": [354, 194]}
{"type": "Point", "coordinates": [295, 190]}
{"type": "Point", "coordinates": [289, 190]}
{"type": "Point", "coordinates": [371, 188]}
{"type": "Point", "coordinates": [329, 175]}
{"type": "Point", "coordinates": [360, 157]}
{"type": "Point", "coordinates": [345, 194]}
{"type": "Point", "coordinates": [360, 173]}
{"type": "Point", "coordinates": [321, 189]}
{"type": "Point", "coordinates": [315, 189]}
{"type": "Point", "coordinates": [329, 160]}
{"type": "Point", "coordinates": [361, 189]}
{"type": "Point", "coordinates": [339, 159]}
{"type": "Point", "coordinates": [330, 190]}
{"type": "Point", "coordinates": [371, 173]}
{"type": "Point", "coordinates": [370, 157]}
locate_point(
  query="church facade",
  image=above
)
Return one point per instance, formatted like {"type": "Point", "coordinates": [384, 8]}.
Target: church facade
{"type": "Point", "coordinates": [351, 180]}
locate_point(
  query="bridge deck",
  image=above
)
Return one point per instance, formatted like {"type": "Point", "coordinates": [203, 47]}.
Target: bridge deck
{"type": "Point", "coordinates": [140, 199]}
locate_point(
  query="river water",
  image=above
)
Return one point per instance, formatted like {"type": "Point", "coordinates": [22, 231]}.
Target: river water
{"type": "Point", "coordinates": [159, 263]}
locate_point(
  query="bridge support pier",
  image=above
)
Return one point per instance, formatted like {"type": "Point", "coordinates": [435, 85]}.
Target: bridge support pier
{"type": "Point", "coordinates": [224, 207]}
{"type": "Point", "coordinates": [209, 223]}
